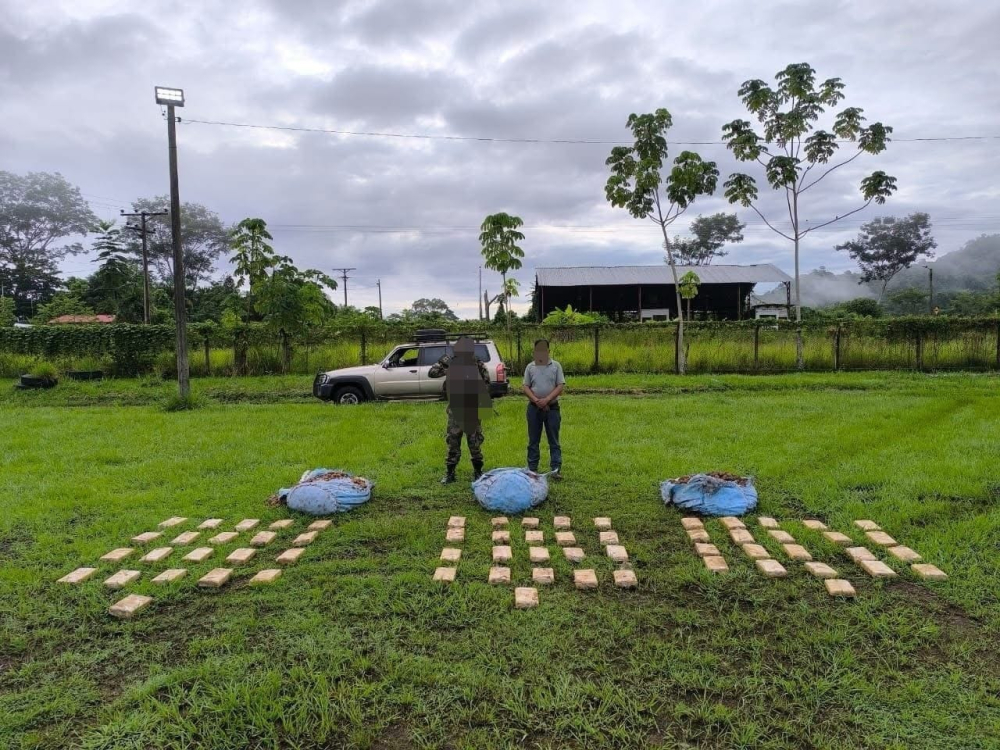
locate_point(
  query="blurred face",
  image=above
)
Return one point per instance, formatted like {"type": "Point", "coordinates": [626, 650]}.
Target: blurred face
{"type": "Point", "coordinates": [541, 353]}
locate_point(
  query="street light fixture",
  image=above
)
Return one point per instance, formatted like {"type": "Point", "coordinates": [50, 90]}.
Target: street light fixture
{"type": "Point", "coordinates": [171, 97]}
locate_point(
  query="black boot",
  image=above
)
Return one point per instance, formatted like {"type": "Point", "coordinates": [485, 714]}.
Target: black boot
{"type": "Point", "coordinates": [449, 476]}
{"type": "Point", "coordinates": [477, 470]}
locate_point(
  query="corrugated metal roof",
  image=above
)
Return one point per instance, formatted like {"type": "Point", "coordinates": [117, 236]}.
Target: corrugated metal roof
{"type": "Point", "coordinates": [631, 275]}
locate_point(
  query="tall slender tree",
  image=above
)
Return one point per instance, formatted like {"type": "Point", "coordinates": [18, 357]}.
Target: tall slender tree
{"type": "Point", "coordinates": [791, 147]}
{"type": "Point", "coordinates": [499, 235]}
{"type": "Point", "coordinates": [253, 256]}
{"type": "Point", "coordinates": [637, 181]}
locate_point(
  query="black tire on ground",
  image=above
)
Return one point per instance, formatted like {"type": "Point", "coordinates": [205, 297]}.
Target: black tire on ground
{"type": "Point", "coordinates": [348, 395]}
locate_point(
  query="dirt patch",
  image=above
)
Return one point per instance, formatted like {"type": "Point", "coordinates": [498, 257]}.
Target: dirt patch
{"type": "Point", "coordinates": [953, 619]}
{"type": "Point", "coordinates": [15, 542]}
{"type": "Point", "coordinates": [395, 736]}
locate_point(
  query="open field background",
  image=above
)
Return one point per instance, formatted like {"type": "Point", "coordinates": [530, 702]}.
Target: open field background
{"type": "Point", "coordinates": [885, 344]}
{"type": "Point", "coordinates": [357, 647]}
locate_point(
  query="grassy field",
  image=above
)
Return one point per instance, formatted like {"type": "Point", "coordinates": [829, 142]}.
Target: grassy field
{"type": "Point", "coordinates": [356, 646]}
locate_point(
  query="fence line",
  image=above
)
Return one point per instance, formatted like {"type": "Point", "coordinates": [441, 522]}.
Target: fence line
{"type": "Point", "coordinates": [757, 347]}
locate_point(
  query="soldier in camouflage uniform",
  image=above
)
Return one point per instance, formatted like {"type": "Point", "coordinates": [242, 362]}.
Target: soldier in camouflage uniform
{"type": "Point", "coordinates": [467, 388]}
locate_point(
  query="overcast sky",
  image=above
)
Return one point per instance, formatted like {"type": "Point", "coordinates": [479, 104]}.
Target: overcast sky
{"type": "Point", "coordinates": [76, 96]}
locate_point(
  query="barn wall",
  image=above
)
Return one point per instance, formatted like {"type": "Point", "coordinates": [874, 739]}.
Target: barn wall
{"type": "Point", "coordinates": [714, 301]}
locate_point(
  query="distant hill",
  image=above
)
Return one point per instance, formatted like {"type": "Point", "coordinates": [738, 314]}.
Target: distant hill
{"type": "Point", "coordinates": [973, 268]}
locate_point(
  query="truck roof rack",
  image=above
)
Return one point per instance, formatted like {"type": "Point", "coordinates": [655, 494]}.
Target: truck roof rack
{"type": "Point", "coordinates": [425, 335]}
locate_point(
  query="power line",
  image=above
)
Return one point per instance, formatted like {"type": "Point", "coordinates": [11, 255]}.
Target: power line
{"type": "Point", "coordinates": [499, 139]}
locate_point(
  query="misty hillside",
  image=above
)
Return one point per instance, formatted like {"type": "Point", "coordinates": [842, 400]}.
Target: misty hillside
{"type": "Point", "coordinates": [973, 268]}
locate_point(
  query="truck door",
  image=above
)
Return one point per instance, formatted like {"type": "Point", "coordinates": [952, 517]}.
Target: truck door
{"type": "Point", "coordinates": [399, 377]}
{"type": "Point", "coordinates": [429, 355]}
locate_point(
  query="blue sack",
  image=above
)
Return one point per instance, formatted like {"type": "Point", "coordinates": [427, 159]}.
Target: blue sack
{"type": "Point", "coordinates": [711, 496]}
{"type": "Point", "coordinates": [510, 490]}
{"type": "Point", "coordinates": [323, 491]}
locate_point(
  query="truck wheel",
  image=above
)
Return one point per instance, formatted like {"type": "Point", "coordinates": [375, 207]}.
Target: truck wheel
{"type": "Point", "coordinates": [348, 395]}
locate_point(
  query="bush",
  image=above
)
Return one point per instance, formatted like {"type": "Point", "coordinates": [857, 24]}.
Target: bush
{"type": "Point", "coordinates": [45, 370]}
{"type": "Point", "coordinates": [177, 402]}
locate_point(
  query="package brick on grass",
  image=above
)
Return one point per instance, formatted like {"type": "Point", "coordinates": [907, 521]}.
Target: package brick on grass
{"type": "Point", "coordinates": [525, 597]}
{"type": "Point", "coordinates": [499, 574]}
{"type": "Point", "coordinates": [129, 607]}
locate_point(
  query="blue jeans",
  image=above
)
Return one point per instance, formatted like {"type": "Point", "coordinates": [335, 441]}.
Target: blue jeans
{"type": "Point", "coordinates": [550, 420]}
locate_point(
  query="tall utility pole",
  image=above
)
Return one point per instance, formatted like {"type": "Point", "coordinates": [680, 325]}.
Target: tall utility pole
{"type": "Point", "coordinates": [930, 280]}
{"type": "Point", "coordinates": [145, 257]}
{"type": "Point", "coordinates": [379, 285]}
{"type": "Point", "coordinates": [175, 98]}
{"type": "Point", "coordinates": [344, 276]}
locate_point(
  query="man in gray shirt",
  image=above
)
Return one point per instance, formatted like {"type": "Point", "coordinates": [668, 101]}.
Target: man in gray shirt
{"type": "Point", "coordinates": [543, 382]}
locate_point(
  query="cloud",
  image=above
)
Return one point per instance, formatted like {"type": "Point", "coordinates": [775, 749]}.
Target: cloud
{"type": "Point", "coordinates": [75, 96]}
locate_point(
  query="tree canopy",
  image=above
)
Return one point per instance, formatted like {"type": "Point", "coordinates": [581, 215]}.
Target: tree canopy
{"type": "Point", "coordinates": [711, 234]}
{"type": "Point", "coordinates": [789, 147]}
{"type": "Point", "coordinates": [203, 239]}
{"type": "Point", "coordinates": [887, 245]}
{"type": "Point", "coordinates": [637, 181]}
{"type": "Point", "coordinates": [37, 211]}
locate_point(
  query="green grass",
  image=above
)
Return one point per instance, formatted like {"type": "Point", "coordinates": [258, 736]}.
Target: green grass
{"type": "Point", "coordinates": [630, 350]}
{"type": "Point", "coordinates": [357, 647]}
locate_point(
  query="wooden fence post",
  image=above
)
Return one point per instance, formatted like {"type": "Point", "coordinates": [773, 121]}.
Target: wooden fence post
{"type": "Point", "coordinates": [677, 350]}
{"type": "Point", "coordinates": [836, 349]}
{"type": "Point", "coordinates": [919, 345]}
{"type": "Point", "coordinates": [998, 345]}
{"type": "Point", "coordinates": [517, 364]}
{"type": "Point", "coordinates": [756, 346]}
{"type": "Point", "coordinates": [597, 347]}
{"type": "Point", "coordinates": [364, 348]}
{"type": "Point", "coordinates": [208, 358]}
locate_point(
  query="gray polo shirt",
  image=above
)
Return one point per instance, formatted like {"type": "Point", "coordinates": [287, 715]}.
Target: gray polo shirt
{"type": "Point", "coordinates": [543, 379]}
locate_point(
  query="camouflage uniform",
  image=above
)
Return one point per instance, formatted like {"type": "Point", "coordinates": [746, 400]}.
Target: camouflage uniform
{"type": "Point", "coordinates": [453, 436]}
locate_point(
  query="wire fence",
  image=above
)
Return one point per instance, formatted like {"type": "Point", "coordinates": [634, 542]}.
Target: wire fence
{"type": "Point", "coordinates": [754, 347]}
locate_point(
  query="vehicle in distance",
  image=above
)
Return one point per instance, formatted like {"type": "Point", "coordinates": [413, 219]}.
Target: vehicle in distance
{"type": "Point", "coordinates": [403, 374]}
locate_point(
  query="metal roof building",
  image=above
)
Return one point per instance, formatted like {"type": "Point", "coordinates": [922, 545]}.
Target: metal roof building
{"type": "Point", "coordinates": [647, 292]}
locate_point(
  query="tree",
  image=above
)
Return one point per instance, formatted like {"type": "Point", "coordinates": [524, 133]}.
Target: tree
{"type": "Point", "coordinates": [211, 301]}
{"type": "Point", "coordinates": [790, 149]}
{"type": "Point", "coordinates": [636, 180]}
{"type": "Point", "coordinates": [30, 284]}
{"type": "Point", "coordinates": [36, 211]}
{"type": "Point", "coordinates": [290, 300]}
{"type": "Point", "coordinates": [435, 307]}
{"type": "Point", "coordinates": [887, 245]}
{"type": "Point", "coordinates": [711, 233]}
{"type": "Point", "coordinates": [253, 256]}
{"type": "Point", "coordinates": [910, 301]}
{"type": "Point", "coordinates": [63, 303]}
{"type": "Point", "coordinates": [203, 239]}
{"type": "Point", "coordinates": [689, 284]}
{"type": "Point", "coordinates": [7, 316]}
{"type": "Point", "coordinates": [499, 236]}
{"type": "Point", "coordinates": [488, 300]}
{"type": "Point", "coordinates": [116, 278]}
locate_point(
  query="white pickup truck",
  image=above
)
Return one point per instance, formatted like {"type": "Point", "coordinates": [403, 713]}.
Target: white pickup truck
{"type": "Point", "coordinates": [403, 372]}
